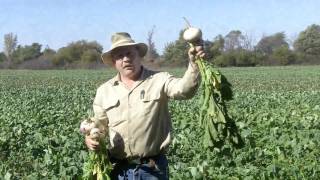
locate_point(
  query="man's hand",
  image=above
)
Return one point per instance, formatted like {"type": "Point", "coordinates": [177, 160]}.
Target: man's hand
{"type": "Point", "coordinates": [196, 52]}
{"type": "Point", "coordinates": [91, 143]}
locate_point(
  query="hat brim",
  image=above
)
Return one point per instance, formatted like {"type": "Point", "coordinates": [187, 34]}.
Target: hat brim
{"type": "Point", "coordinates": [107, 58]}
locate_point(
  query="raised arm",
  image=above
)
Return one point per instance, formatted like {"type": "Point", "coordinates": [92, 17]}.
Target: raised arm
{"type": "Point", "coordinates": [185, 87]}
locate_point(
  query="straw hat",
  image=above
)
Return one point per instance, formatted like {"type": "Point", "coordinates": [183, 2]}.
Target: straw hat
{"type": "Point", "coordinates": [122, 39]}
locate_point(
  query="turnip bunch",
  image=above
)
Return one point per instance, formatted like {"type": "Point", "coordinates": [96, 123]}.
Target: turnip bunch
{"type": "Point", "coordinates": [97, 165]}
{"type": "Point", "coordinates": [216, 90]}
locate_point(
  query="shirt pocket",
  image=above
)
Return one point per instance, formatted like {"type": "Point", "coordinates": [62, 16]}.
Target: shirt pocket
{"type": "Point", "coordinates": [112, 108]}
{"type": "Point", "coordinates": [107, 105]}
{"type": "Point", "coordinates": [151, 103]}
{"type": "Point", "coordinates": [152, 96]}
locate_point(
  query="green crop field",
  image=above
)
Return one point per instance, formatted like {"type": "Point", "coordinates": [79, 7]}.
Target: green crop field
{"type": "Point", "coordinates": [277, 110]}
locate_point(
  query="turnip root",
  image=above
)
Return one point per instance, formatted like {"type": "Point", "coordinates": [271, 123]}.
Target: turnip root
{"type": "Point", "coordinates": [192, 35]}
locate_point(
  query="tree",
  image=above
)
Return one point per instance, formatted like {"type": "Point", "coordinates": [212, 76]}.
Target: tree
{"type": "Point", "coordinates": [75, 50]}
{"type": "Point", "coordinates": [217, 46]}
{"type": "Point", "coordinates": [268, 44]}
{"type": "Point", "coordinates": [226, 59]}
{"type": "Point", "coordinates": [152, 53]}
{"type": "Point", "coordinates": [48, 51]}
{"type": "Point", "coordinates": [235, 49]}
{"type": "Point", "coordinates": [283, 56]}
{"type": "Point", "coordinates": [28, 52]}
{"type": "Point", "coordinates": [245, 57]}
{"type": "Point", "coordinates": [10, 44]}
{"type": "Point", "coordinates": [62, 57]}
{"type": "Point", "coordinates": [234, 40]}
{"type": "Point", "coordinates": [308, 43]}
{"type": "Point", "coordinates": [89, 56]}
{"type": "Point", "coordinates": [247, 43]}
{"type": "Point", "coordinates": [2, 57]}
{"type": "Point", "coordinates": [176, 53]}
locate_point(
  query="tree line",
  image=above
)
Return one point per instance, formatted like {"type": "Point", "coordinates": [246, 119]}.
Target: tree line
{"type": "Point", "coordinates": [237, 49]}
{"type": "Point", "coordinates": [77, 54]}
{"type": "Point", "coordinates": [234, 49]}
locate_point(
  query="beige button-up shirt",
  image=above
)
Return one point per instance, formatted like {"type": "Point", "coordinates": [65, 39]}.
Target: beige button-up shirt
{"type": "Point", "coordinates": [138, 119]}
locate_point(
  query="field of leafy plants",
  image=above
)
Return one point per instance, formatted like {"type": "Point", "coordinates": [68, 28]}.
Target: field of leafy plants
{"type": "Point", "coordinates": [277, 111]}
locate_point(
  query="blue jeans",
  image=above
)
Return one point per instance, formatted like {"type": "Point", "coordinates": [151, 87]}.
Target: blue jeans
{"type": "Point", "coordinates": [145, 171]}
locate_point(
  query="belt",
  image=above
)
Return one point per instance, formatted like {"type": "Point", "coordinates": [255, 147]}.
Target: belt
{"type": "Point", "coordinates": [144, 160]}
{"type": "Point", "coordinates": [137, 160]}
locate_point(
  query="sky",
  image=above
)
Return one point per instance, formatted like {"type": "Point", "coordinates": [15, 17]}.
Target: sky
{"type": "Point", "coordinates": [56, 23]}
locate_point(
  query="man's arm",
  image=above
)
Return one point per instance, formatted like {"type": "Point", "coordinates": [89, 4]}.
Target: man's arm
{"type": "Point", "coordinates": [185, 87]}
{"type": "Point", "coordinates": [100, 119]}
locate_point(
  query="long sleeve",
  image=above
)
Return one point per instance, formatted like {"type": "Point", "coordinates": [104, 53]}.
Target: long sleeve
{"type": "Point", "coordinates": [185, 87]}
{"type": "Point", "coordinates": [100, 114]}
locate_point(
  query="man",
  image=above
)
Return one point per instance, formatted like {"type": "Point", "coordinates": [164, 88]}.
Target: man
{"type": "Point", "coordinates": [134, 107]}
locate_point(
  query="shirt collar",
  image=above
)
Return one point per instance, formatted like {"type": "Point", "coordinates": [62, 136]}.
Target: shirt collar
{"type": "Point", "coordinates": [115, 80]}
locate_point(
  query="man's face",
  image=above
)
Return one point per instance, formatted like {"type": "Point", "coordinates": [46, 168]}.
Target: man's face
{"type": "Point", "coordinates": [127, 61]}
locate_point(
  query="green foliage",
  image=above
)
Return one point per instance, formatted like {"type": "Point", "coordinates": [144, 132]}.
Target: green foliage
{"type": "Point", "coordinates": [245, 58]}
{"type": "Point", "coordinates": [97, 165]}
{"type": "Point", "coordinates": [39, 122]}
{"type": "Point", "coordinates": [224, 60]}
{"type": "Point", "coordinates": [48, 55]}
{"type": "Point", "coordinates": [283, 56]}
{"type": "Point", "coordinates": [63, 56]}
{"type": "Point", "coordinates": [2, 57]}
{"type": "Point", "coordinates": [232, 50]}
{"type": "Point", "coordinates": [276, 110]}
{"type": "Point", "coordinates": [27, 52]}
{"type": "Point", "coordinates": [78, 51]}
{"type": "Point", "coordinates": [236, 49]}
{"type": "Point", "coordinates": [240, 57]}
{"type": "Point", "coordinates": [90, 55]}
{"type": "Point", "coordinates": [48, 51]}
{"type": "Point", "coordinates": [307, 45]}
{"type": "Point", "coordinates": [234, 40]}
{"type": "Point", "coordinates": [268, 44]}
{"type": "Point", "coordinates": [217, 47]}
{"type": "Point", "coordinates": [176, 53]}
{"type": "Point", "coordinates": [308, 41]}
{"type": "Point", "coordinates": [214, 119]}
